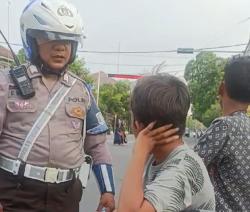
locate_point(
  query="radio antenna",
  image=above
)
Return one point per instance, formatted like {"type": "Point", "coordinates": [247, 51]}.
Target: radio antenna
{"type": "Point", "coordinates": [12, 52]}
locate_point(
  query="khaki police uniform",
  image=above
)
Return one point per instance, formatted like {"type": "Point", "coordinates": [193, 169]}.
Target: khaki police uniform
{"type": "Point", "coordinates": [60, 143]}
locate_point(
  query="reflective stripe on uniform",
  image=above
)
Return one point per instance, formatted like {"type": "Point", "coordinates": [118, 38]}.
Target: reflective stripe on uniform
{"type": "Point", "coordinates": [42, 121]}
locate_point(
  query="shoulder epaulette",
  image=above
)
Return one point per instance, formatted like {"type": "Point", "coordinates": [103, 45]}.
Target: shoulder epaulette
{"type": "Point", "coordinates": [77, 77]}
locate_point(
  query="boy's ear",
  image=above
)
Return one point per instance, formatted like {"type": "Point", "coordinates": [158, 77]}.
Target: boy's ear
{"type": "Point", "coordinates": [138, 126]}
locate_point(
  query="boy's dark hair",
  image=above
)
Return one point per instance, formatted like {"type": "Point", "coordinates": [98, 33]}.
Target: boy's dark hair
{"type": "Point", "coordinates": [237, 78]}
{"type": "Point", "coordinates": [162, 98]}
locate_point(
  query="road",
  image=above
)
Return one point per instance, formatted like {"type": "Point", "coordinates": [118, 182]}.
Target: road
{"type": "Point", "coordinates": [121, 155]}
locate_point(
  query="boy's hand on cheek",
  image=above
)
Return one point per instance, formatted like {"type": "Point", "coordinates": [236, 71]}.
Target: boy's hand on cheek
{"type": "Point", "coordinates": [148, 138]}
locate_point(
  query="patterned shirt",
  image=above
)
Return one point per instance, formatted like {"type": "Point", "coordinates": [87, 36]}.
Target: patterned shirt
{"type": "Point", "coordinates": [180, 182]}
{"type": "Point", "coordinates": [225, 148]}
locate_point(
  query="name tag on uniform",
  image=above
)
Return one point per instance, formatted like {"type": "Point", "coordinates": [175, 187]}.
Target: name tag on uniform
{"type": "Point", "coordinates": [18, 105]}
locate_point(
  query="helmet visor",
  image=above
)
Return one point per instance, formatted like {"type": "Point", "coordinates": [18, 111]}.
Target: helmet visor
{"type": "Point", "coordinates": [51, 36]}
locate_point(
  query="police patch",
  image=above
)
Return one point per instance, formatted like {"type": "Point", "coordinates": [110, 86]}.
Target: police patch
{"type": "Point", "coordinates": [100, 118]}
{"type": "Point", "coordinates": [76, 124]}
{"type": "Point", "coordinates": [77, 112]}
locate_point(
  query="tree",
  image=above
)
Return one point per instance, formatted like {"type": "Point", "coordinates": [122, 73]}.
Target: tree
{"type": "Point", "coordinates": [21, 56]}
{"type": "Point", "coordinates": [188, 70]}
{"type": "Point", "coordinates": [79, 69]}
{"type": "Point", "coordinates": [213, 112]}
{"type": "Point", "coordinates": [114, 101]}
{"type": "Point", "coordinates": [193, 124]}
{"type": "Point", "coordinates": [203, 76]}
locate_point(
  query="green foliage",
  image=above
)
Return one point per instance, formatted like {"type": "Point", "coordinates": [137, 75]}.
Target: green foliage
{"type": "Point", "coordinates": [188, 70]}
{"type": "Point", "coordinates": [114, 100]}
{"type": "Point", "coordinates": [193, 123]}
{"type": "Point", "coordinates": [21, 56]}
{"type": "Point", "coordinates": [213, 112]}
{"type": "Point", "coordinates": [204, 75]}
{"type": "Point", "coordinates": [79, 69]}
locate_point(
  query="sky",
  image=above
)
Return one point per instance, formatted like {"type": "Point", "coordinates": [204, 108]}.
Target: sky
{"type": "Point", "coordinates": [147, 25]}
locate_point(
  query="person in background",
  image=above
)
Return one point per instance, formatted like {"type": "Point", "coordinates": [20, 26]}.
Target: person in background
{"type": "Point", "coordinates": [42, 135]}
{"type": "Point", "coordinates": [123, 133]}
{"type": "Point", "coordinates": [225, 146]}
{"type": "Point", "coordinates": [175, 178]}
{"type": "Point", "coordinates": [117, 136]}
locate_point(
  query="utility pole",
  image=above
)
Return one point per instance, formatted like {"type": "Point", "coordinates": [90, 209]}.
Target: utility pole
{"type": "Point", "coordinates": [247, 50]}
{"type": "Point", "coordinates": [8, 27]}
{"type": "Point", "coordinates": [8, 21]}
{"type": "Point", "coordinates": [118, 59]}
{"type": "Point", "coordinates": [98, 88]}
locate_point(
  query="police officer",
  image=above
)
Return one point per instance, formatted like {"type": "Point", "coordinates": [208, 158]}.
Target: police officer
{"type": "Point", "coordinates": [42, 145]}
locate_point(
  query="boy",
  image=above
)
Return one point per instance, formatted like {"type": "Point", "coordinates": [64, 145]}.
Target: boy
{"type": "Point", "coordinates": [225, 146]}
{"type": "Point", "coordinates": [175, 177]}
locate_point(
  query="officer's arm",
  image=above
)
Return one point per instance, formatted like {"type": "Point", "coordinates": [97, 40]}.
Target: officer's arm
{"type": "Point", "coordinates": [95, 145]}
{"type": "Point", "coordinates": [3, 99]}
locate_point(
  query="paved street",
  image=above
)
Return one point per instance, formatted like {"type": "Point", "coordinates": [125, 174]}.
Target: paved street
{"type": "Point", "coordinates": [120, 154]}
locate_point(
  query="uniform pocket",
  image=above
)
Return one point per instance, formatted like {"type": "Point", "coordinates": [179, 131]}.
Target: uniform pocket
{"type": "Point", "coordinates": [21, 116]}
{"type": "Point", "coordinates": [76, 113]}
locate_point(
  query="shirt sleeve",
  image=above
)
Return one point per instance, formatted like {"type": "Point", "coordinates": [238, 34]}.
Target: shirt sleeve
{"type": "Point", "coordinates": [96, 147]}
{"type": "Point", "coordinates": [212, 142]}
{"type": "Point", "coordinates": [95, 141]}
{"type": "Point", "coordinates": [95, 123]}
{"type": "Point", "coordinates": [169, 191]}
{"type": "Point", "coordinates": [3, 99]}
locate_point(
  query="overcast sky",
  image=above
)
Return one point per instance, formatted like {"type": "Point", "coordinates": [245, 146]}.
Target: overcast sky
{"type": "Point", "coordinates": [148, 25]}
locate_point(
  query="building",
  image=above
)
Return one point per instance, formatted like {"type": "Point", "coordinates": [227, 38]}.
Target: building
{"type": "Point", "coordinates": [103, 78]}
{"type": "Point", "coordinates": [6, 58]}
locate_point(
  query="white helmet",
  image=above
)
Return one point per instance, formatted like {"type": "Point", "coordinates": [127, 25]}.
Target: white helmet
{"type": "Point", "coordinates": [53, 19]}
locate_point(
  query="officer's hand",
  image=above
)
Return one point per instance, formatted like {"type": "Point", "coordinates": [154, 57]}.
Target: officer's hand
{"type": "Point", "coordinates": [107, 201]}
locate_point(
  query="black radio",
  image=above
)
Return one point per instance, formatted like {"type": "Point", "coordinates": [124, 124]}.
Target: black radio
{"type": "Point", "coordinates": [22, 81]}
{"type": "Point", "coordinates": [20, 76]}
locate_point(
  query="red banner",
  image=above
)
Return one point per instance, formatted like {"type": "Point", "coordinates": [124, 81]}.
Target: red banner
{"type": "Point", "coordinates": [125, 76]}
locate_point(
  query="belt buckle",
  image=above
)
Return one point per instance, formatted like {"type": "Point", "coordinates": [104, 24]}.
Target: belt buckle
{"type": "Point", "coordinates": [51, 175]}
{"type": "Point", "coordinates": [16, 167]}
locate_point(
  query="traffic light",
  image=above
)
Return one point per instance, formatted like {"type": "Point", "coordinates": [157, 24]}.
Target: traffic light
{"type": "Point", "coordinates": [185, 50]}
{"type": "Point", "coordinates": [125, 76]}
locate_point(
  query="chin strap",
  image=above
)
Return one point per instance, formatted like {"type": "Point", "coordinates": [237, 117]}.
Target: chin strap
{"type": "Point", "coordinates": [47, 70]}
{"type": "Point", "coordinates": [104, 177]}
